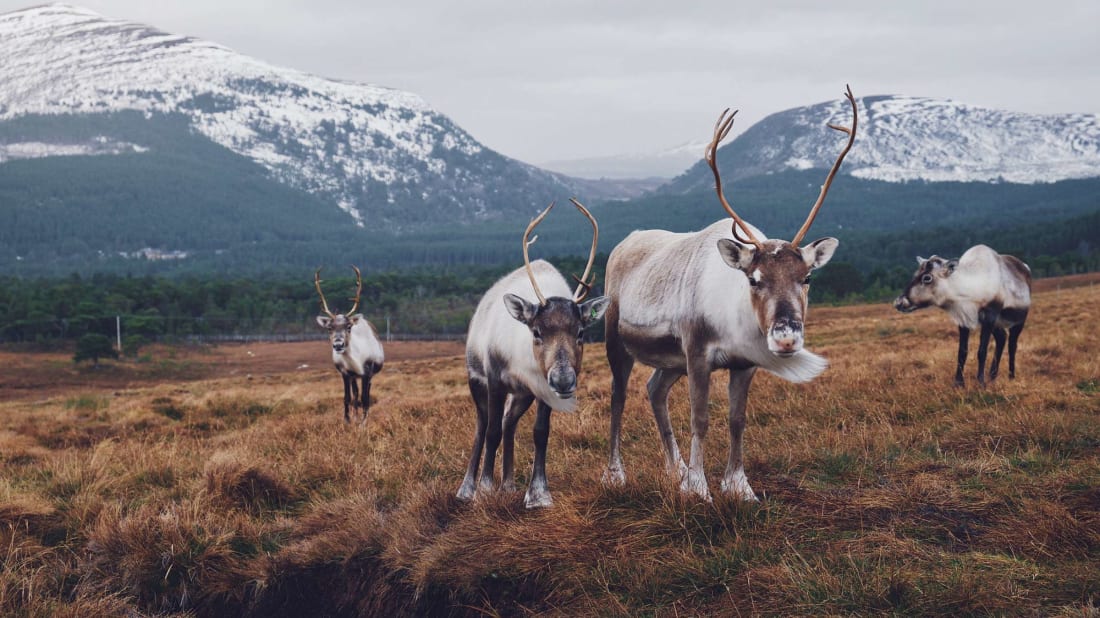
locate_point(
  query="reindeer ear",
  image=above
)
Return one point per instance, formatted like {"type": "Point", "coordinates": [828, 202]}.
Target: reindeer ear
{"type": "Point", "coordinates": [593, 309]}
{"type": "Point", "coordinates": [819, 252]}
{"type": "Point", "coordinates": [951, 265]}
{"type": "Point", "coordinates": [921, 261]}
{"type": "Point", "coordinates": [735, 254]}
{"type": "Point", "coordinates": [354, 318]}
{"type": "Point", "coordinates": [520, 309]}
{"type": "Point", "coordinates": [324, 321]}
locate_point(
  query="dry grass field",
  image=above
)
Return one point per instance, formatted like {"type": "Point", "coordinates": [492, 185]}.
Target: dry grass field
{"type": "Point", "coordinates": [210, 484]}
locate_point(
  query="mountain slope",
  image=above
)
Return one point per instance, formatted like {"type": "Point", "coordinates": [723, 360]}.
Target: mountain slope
{"type": "Point", "coordinates": [912, 138]}
{"type": "Point", "coordinates": [382, 155]}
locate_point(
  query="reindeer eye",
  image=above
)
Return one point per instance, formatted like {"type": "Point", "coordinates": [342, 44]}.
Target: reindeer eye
{"type": "Point", "coordinates": [753, 282]}
{"type": "Point", "coordinates": [926, 279]}
{"type": "Point", "coordinates": [806, 281]}
{"type": "Point", "coordinates": [537, 334]}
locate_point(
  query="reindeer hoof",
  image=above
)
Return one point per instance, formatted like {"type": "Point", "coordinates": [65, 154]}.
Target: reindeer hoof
{"type": "Point", "coordinates": [465, 493]}
{"type": "Point", "coordinates": [614, 477]}
{"type": "Point", "coordinates": [738, 487]}
{"type": "Point", "coordinates": [695, 485]}
{"type": "Point", "coordinates": [538, 500]}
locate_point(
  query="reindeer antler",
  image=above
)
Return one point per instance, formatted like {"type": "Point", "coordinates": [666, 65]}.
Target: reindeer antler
{"type": "Point", "coordinates": [721, 130]}
{"type": "Point", "coordinates": [836, 166]}
{"type": "Point", "coordinates": [527, 243]}
{"type": "Point", "coordinates": [317, 282]}
{"type": "Point", "coordinates": [358, 290]}
{"type": "Point", "coordinates": [584, 283]}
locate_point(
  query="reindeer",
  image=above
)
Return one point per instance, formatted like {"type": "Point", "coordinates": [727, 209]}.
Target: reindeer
{"type": "Point", "coordinates": [982, 288]}
{"type": "Point", "coordinates": [519, 352]}
{"type": "Point", "coordinates": [691, 304]}
{"type": "Point", "coordinates": [356, 351]}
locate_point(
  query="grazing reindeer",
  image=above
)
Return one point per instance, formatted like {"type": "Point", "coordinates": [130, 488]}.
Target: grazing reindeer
{"type": "Point", "coordinates": [691, 304]}
{"type": "Point", "coordinates": [356, 351]}
{"type": "Point", "coordinates": [983, 288]}
{"type": "Point", "coordinates": [522, 351]}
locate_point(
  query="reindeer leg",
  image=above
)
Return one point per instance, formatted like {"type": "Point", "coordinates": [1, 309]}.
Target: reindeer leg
{"type": "Point", "coordinates": [347, 396]}
{"type": "Point", "coordinates": [999, 336]}
{"type": "Point", "coordinates": [354, 393]}
{"type": "Point", "coordinates": [695, 481]}
{"type": "Point", "coordinates": [735, 483]}
{"type": "Point", "coordinates": [1013, 336]}
{"type": "Point", "coordinates": [621, 363]}
{"type": "Point", "coordinates": [515, 411]}
{"type": "Point", "coordinates": [497, 395]}
{"type": "Point", "coordinates": [367, 377]}
{"type": "Point", "coordinates": [538, 491]}
{"type": "Point", "coordinates": [660, 383]}
{"type": "Point", "coordinates": [480, 394]}
{"type": "Point", "coordinates": [964, 339]}
{"type": "Point", "coordinates": [983, 351]}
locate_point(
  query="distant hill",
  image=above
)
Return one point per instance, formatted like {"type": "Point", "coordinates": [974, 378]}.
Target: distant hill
{"type": "Point", "coordinates": [903, 138]}
{"type": "Point", "coordinates": [383, 156]}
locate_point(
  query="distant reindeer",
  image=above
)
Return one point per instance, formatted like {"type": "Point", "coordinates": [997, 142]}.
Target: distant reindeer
{"type": "Point", "coordinates": [982, 288]}
{"type": "Point", "coordinates": [356, 351]}
{"type": "Point", "coordinates": [691, 304]}
{"type": "Point", "coordinates": [519, 351]}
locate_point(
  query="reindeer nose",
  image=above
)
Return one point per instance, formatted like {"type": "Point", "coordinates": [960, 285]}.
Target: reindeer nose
{"type": "Point", "coordinates": [901, 303]}
{"type": "Point", "coordinates": [563, 381]}
{"type": "Point", "coordinates": [786, 336]}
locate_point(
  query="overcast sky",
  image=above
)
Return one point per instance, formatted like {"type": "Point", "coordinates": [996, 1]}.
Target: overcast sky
{"type": "Point", "coordinates": [569, 79]}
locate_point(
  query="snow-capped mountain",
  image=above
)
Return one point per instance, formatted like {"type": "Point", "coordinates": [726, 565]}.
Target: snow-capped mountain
{"type": "Point", "coordinates": [912, 138]}
{"type": "Point", "coordinates": [375, 151]}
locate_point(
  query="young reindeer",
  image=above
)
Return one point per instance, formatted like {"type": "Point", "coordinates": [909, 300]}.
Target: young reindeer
{"type": "Point", "coordinates": [518, 352]}
{"type": "Point", "coordinates": [691, 304]}
{"type": "Point", "coordinates": [982, 288]}
{"type": "Point", "coordinates": [356, 351]}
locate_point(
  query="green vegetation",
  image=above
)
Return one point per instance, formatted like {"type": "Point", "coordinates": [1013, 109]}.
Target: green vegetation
{"type": "Point", "coordinates": [175, 308]}
{"type": "Point", "coordinates": [93, 347]}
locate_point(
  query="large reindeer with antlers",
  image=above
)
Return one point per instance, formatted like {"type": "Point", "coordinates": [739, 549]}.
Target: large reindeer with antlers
{"type": "Point", "coordinates": [691, 304]}
{"type": "Point", "coordinates": [356, 351]}
{"type": "Point", "coordinates": [520, 350]}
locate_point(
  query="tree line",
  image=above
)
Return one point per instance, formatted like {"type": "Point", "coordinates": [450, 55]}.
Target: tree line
{"type": "Point", "coordinates": [869, 268]}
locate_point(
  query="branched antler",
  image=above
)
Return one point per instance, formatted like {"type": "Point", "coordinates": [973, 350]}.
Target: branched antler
{"type": "Point", "coordinates": [527, 243]}
{"type": "Point", "coordinates": [584, 283]}
{"type": "Point", "coordinates": [317, 283]}
{"type": "Point", "coordinates": [851, 132]}
{"type": "Point", "coordinates": [358, 292]}
{"type": "Point", "coordinates": [721, 130]}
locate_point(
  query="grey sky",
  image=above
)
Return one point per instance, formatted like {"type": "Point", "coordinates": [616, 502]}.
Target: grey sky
{"type": "Point", "coordinates": [572, 79]}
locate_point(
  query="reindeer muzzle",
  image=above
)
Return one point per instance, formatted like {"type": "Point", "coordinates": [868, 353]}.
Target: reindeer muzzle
{"type": "Point", "coordinates": [904, 305]}
{"type": "Point", "coordinates": [563, 382]}
{"type": "Point", "coordinates": [785, 337]}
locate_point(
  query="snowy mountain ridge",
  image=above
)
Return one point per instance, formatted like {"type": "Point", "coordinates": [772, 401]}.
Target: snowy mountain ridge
{"type": "Point", "coordinates": [902, 138]}
{"type": "Point", "coordinates": [340, 139]}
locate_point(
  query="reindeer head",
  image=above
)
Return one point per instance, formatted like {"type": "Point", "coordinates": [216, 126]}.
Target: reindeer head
{"type": "Point", "coordinates": [779, 283]}
{"type": "Point", "coordinates": [925, 289]}
{"type": "Point", "coordinates": [339, 325]}
{"type": "Point", "coordinates": [778, 271]}
{"type": "Point", "coordinates": [557, 324]}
